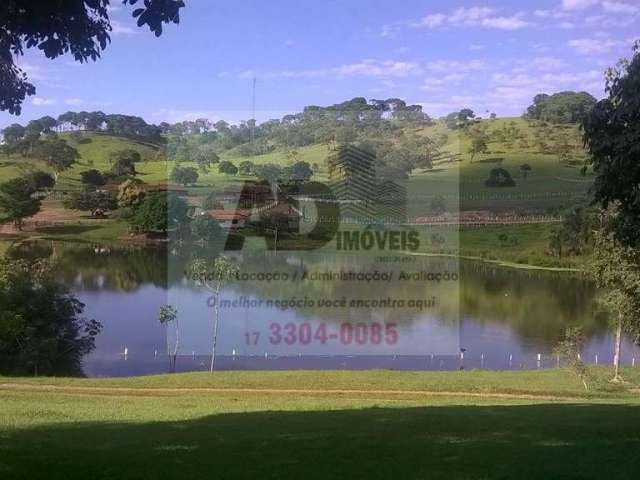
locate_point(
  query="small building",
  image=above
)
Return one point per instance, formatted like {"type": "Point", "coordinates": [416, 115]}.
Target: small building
{"type": "Point", "coordinates": [228, 219]}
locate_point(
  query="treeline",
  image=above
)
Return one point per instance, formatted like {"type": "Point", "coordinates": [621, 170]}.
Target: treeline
{"type": "Point", "coordinates": [563, 107]}
{"type": "Point", "coordinates": [127, 126]}
{"type": "Point", "coordinates": [383, 126]}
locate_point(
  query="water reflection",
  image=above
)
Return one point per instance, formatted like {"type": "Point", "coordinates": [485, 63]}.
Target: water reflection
{"type": "Point", "coordinates": [502, 317]}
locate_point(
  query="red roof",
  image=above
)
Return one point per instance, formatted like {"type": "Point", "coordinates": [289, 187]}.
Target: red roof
{"type": "Point", "coordinates": [226, 215]}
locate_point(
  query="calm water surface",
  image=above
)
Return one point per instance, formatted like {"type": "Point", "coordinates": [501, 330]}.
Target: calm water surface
{"type": "Point", "coordinates": [501, 318]}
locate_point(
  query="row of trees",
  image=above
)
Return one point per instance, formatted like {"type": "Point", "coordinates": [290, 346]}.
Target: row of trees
{"type": "Point", "coordinates": [38, 142]}
{"type": "Point", "coordinates": [128, 126]}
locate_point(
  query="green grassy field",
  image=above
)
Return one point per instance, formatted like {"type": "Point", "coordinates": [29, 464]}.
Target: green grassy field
{"type": "Point", "coordinates": [375, 424]}
{"type": "Point", "coordinates": [551, 183]}
{"type": "Point", "coordinates": [551, 186]}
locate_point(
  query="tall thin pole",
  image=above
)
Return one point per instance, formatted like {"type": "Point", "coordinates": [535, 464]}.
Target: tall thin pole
{"type": "Point", "coordinates": [253, 108]}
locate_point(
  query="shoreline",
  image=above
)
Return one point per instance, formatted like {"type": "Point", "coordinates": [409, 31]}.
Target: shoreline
{"type": "Point", "coordinates": [502, 263]}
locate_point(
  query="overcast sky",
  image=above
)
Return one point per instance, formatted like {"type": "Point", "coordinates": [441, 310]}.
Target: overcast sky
{"type": "Point", "coordinates": [486, 55]}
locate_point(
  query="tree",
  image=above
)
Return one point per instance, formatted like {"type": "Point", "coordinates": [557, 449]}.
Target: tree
{"type": "Point", "coordinates": [246, 168]}
{"type": "Point", "coordinates": [300, 171]}
{"type": "Point", "coordinates": [169, 315]}
{"type": "Point", "coordinates": [227, 167]}
{"type": "Point", "coordinates": [124, 167]}
{"type": "Point", "coordinates": [525, 169]}
{"type": "Point", "coordinates": [93, 177]}
{"type": "Point", "coordinates": [48, 123]}
{"type": "Point", "coordinates": [17, 202]}
{"type": "Point", "coordinates": [460, 120]}
{"type": "Point", "coordinates": [206, 229]}
{"type": "Point", "coordinates": [13, 134]}
{"type": "Point", "coordinates": [268, 171]}
{"type": "Point", "coordinates": [478, 145]}
{"type": "Point", "coordinates": [40, 180]}
{"type": "Point", "coordinates": [611, 133]}
{"type": "Point", "coordinates": [93, 202]}
{"type": "Point", "coordinates": [160, 212]}
{"type": "Point", "coordinates": [499, 177]}
{"type": "Point", "coordinates": [206, 156]}
{"type": "Point", "coordinates": [568, 350]}
{"type": "Point", "coordinates": [78, 27]}
{"type": "Point", "coordinates": [556, 242]}
{"type": "Point", "coordinates": [131, 193]}
{"type": "Point", "coordinates": [223, 271]}
{"type": "Point", "coordinates": [130, 155]}
{"type": "Point", "coordinates": [56, 153]}
{"type": "Point", "coordinates": [562, 107]}
{"type": "Point", "coordinates": [184, 175]}
{"type": "Point", "coordinates": [616, 271]}
{"type": "Point", "coordinates": [42, 331]}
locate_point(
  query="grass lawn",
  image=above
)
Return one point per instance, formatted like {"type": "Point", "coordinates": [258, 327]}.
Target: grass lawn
{"type": "Point", "coordinates": [87, 231]}
{"type": "Point", "coordinates": [375, 424]}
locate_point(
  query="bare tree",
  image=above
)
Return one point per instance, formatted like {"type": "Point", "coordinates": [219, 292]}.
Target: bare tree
{"type": "Point", "coordinates": [169, 315]}
{"type": "Point", "coordinates": [214, 279]}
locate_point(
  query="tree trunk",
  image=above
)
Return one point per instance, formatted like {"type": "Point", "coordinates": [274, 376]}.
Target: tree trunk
{"type": "Point", "coordinates": [618, 350]}
{"type": "Point", "coordinates": [168, 349]}
{"type": "Point", "coordinates": [176, 346]}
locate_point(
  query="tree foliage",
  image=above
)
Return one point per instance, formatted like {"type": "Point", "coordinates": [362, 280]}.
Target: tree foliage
{"type": "Point", "coordinates": [56, 153]}
{"type": "Point", "coordinates": [206, 229]}
{"type": "Point", "coordinates": [131, 193]}
{"type": "Point", "coordinates": [17, 201]}
{"type": "Point", "coordinates": [568, 350]}
{"type": "Point", "coordinates": [184, 175]}
{"type": "Point", "coordinates": [160, 212]}
{"type": "Point", "coordinates": [612, 136]}
{"type": "Point", "coordinates": [227, 167]}
{"type": "Point", "coordinates": [42, 331]}
{"type": "Point", "coordinates": [80, 28]}
{"type": "Point", "coordinates": [500, 177]}
{"type": "Point", "coordinates": [91, 201]}
{"type": "Point", "coordinates": [93, 177]}
{"type": "Point", "coordinates": [562, 107]}
{"type": "Point", "coordinates": [616, 271]}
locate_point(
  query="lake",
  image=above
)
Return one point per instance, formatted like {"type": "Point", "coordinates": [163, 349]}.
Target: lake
{"type": "Point", "coordinates": [312, 310]}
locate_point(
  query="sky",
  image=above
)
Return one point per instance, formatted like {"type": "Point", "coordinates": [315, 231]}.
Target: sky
{"type": "Point", "coordinates": [491, 56]}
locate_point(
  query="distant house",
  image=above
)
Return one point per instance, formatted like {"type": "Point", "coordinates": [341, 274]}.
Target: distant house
{"type": "Point", "coordinates": [228, 219]}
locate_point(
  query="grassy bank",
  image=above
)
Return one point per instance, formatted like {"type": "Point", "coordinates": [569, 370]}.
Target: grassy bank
{"type": "Point", "coordinates": [320, 425]}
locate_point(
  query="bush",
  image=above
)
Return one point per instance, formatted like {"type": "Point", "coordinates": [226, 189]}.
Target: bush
{"type": "Point", "coordinates": [499, 177]}
{"type": "Point", "coordinates": [227, 167]}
